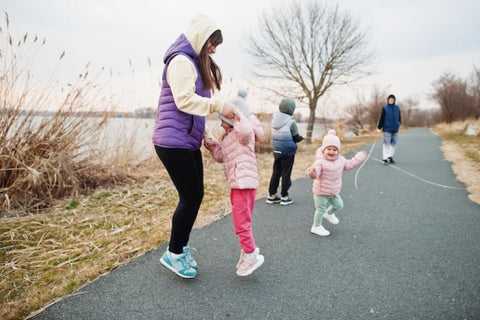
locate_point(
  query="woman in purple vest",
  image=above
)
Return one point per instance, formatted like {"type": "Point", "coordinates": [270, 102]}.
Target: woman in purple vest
{"type": "Point", "coordinates": [189, 78]}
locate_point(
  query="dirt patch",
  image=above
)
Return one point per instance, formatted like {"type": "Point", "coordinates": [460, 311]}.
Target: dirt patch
{"type": "Point", "coordinates": [467, 171]}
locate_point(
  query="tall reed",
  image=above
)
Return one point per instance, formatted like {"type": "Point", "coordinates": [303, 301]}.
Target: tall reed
{"type": "Point", "coordinates": [46, 130]}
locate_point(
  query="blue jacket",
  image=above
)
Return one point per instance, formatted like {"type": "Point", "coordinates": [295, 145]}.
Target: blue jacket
{"type": "Point", "coordinates": [284, 130]}
{"type": "Point", "coordinates": [390, 118]}
{"type": "Point", "coordinates": [282, 139]}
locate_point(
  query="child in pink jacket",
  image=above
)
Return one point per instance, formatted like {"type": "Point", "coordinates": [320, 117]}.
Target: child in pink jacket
{"type": "Point", "coordinates": [237, 153]}
{"type": "Point", "coordinates": [327, 172]}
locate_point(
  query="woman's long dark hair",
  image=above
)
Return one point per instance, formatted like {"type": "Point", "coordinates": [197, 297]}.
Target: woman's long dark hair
{"type": "Point", "coordinates": [210, 72]}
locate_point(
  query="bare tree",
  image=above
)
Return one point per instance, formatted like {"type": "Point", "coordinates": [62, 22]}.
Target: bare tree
{"type": "Point", "coordinates": [408, 109]}
{"type": "Point", "coordinates": [474, 91]}
{"type": "Point", "coordinates": [305, 48]}
{"type": "Point", "coordinates": [452, 96]}
{"type": "Point", "coordinates": [357, 117]}
{"type": "Point", "coordinates": [365, 114]}
{"type": "Point", "coordinates": [373, 109]}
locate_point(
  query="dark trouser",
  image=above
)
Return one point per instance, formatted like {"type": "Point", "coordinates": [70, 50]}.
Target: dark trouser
{"type": "Point", "coordinates": [185, 168]}
{"type": "Point", "coordinates": [282, 168]}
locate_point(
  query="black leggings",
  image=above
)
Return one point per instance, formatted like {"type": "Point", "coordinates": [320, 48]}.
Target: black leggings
{"type": "Point", "coordinates": [185, 168]}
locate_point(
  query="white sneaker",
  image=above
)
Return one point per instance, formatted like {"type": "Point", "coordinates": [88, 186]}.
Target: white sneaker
{"type": "Point", "coordinates": [331, 218]}
{"type": "Point", "coordinates": [248, 265]}
{"type": "Point", "coordinates": [321, 231]}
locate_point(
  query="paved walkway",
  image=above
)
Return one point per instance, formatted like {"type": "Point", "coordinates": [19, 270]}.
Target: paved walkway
{"type": "Point", "coordinates": [407, 247]}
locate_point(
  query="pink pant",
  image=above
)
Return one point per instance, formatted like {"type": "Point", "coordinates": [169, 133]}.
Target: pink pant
{"type": "Point", "coordinates": [243, 201]}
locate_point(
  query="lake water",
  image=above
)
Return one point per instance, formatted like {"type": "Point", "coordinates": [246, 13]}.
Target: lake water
{"type": "Point", "coordinates": [135, 135]}
{"type": "Point", "coordinates": [132, 137]}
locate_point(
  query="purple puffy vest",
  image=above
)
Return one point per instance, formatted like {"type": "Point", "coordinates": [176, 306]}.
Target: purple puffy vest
{"type": "Point", "coordinates": [175, 128]}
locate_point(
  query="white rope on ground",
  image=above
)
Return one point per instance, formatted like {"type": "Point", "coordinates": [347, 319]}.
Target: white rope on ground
{"type": "Point", "coordinates": [420, 178]}
{"type": "Point", "coordinates": [368, 156]}
{"type": "Point", "coordinates": [404, 171]}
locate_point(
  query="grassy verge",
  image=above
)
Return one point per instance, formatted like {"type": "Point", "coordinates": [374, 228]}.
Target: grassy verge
{"type": "Point", "coordinates": [464, 152]}
{"type": "Point", "coordinates": [48, 256]}
{"type": "Point", "coordinates": [455, 133]}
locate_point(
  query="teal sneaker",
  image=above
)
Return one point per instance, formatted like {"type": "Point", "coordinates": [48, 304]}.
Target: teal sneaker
{"type": "Point", "coordinates": [188, 256]}
{"type": "Point", "coordinates": [178, 265]}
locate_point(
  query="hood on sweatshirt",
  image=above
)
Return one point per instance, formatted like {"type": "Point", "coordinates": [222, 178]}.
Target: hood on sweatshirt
{"type": "Point", "coordinates": [287, 106]}
{"type": "Point", "coordinates": [280, 119]}
{"type": "Point", "coordinates": [391, 96]}
{"type": "Point", "coordinates": [199, 30]}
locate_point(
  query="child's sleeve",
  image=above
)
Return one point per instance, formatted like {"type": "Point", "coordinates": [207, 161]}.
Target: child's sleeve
{"type": "Point", "coordinates": [217, 153]}
{"type": "Point", "coordinates": [243, 130]}
{"type": "Point", "coordinates": [257, 127]}
{"type": "Point", "coordinates": [294, 131]}
{"type": "Point", "coordinates": [215, 149]}
{"type": "Point", "coordinates": [356, 160]}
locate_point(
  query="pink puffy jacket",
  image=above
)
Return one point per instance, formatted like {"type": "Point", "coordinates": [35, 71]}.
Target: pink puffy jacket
{"type": "Point", "coordinates": [328, 174]}
{"type": "Point", "coordinates": [237, 153]}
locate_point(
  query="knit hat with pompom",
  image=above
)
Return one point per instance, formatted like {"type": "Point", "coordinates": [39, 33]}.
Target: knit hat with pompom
{"type": "Point", "coordinates": [331, 139]}
{"type": "Point", "coordinates": [240, 105]}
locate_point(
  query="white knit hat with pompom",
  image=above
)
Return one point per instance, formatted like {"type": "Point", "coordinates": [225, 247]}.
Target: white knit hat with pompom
{"type": "Point", "coordinates": [331, 139]}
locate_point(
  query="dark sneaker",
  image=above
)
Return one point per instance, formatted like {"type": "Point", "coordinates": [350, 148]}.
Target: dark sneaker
{"type": "Point", "coordinates": [391, 160]}
{"type": "Point", "coordinates": [284, 201]}
{"type": "Point", "coordinates": [273, 199]}
{"type": "Point", "coordinates": [386, 161]}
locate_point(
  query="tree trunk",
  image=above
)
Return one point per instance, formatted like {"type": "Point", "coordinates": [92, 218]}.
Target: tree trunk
{"type": "Point", "coordinates": [311, 122]}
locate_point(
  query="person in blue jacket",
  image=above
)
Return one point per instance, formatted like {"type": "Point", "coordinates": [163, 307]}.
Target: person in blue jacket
{"type": "Point", "coordinates": [389, 122]}
{"type": "Point", "coordinates": [284, 141]}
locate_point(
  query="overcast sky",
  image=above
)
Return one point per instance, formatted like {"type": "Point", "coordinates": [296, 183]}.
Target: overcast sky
{"type": "Point", "coordinates": [415, 41]}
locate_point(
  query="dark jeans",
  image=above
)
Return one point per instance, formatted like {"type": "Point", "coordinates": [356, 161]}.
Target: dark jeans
{"type": "Point", "coordinates": [282, 168]}
{"type": "Point", "coordinates": [185, 168]}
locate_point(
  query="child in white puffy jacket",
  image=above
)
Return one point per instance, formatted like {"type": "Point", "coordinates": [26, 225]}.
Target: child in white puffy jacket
{"type": "Point", "coordinates": [327, 172]}
{"type": "Point", "coordinates": [237, 153]}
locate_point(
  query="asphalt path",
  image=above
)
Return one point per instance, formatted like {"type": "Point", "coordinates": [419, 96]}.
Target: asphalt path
{"type": "Point", "coordinates": [407, 247]}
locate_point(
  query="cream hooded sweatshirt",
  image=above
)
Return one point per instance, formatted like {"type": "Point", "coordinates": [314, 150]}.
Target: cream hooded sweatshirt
{"type": "Point", "coordinates": [181, 74]}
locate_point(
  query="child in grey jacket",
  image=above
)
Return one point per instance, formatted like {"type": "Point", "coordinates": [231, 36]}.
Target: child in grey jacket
{"type": "Point", "coordinates": [284, 141]}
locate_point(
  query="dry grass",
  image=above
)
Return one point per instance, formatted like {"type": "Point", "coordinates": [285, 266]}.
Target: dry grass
{"type": "Point", "coordinates": [464, 152]}
{"type": "Point", "coordinates": [46, 251]}
{"type": "Point", "coordinates": [44, 158]}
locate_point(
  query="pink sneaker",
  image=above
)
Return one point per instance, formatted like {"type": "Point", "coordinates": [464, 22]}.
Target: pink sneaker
{"type": "Point", "coordinates": [242, 254]}
{"type": "Point", "coordinates": [248, 265]}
